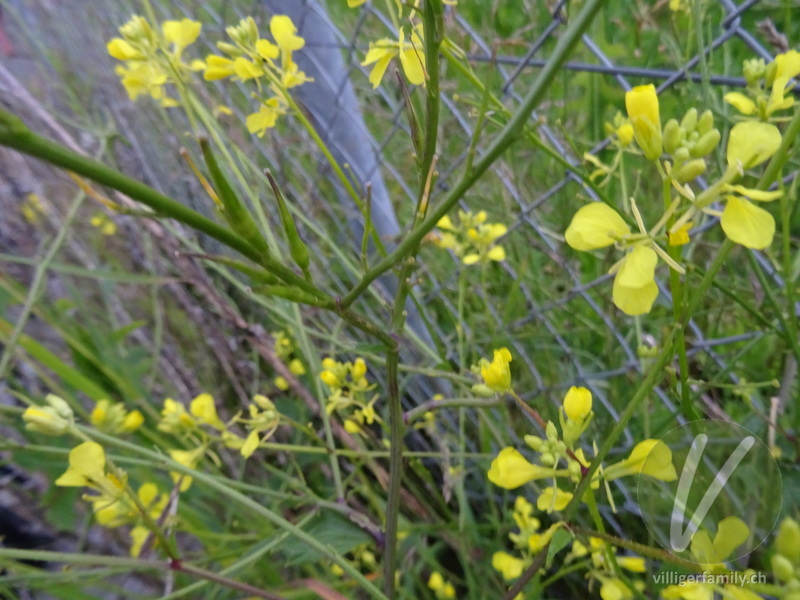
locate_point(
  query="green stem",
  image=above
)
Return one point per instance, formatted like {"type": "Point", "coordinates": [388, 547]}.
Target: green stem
{"type": "Point", "coordinates": [509, 134]}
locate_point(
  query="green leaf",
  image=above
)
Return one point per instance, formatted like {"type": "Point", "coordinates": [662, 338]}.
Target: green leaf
{"type": "Point", "coordinates": [561, 539]}
{"type": "Point", "coordinates": [338, 533]}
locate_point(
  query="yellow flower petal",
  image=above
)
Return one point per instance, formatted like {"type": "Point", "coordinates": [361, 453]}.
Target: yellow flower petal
{"type": "Point", "coordinates": [642, 105]}
{"type": "Point", "coordinates": [413, 62]}
{"type": "Point", "coordinates": [181, 33]}
{"type": "Point", "coordinates": [577, 403]}
{"type": "Point", "coordinates": [553, 499]}
{"type": "Point", "coordinates": [283, 31]}
{"type": "Point", "coordinates": [787, 64]}
{"type": "Point", "coordinates": [747, 224]}
{"type": "Point", "coordinates": [751, 143]}
{"type": "Point", "coordinates": [498, 253]}
{"type": "Point", "coordinates": [511, 470]}
{"type": "Point", "coordinates": [638, 268]}
{"type": "Point", "coordinates": [218, 67]}
{"type": "Point", "coordinates": [635, 300]}
{"type": "Point", "coordinates": [122, 50]}
{"type": "Point", "coordinates": [267, 49]}
{"type": "Point", "coordinates": [509, 566]}
{"type": "Point", "coordinates": [595, 226]}
{"type": "Point", "coordinates": [740, 102]}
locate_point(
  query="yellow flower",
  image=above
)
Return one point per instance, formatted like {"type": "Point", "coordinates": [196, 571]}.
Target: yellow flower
{"type": "Point", "coordinates": [594, 226]}
{"type": "Point", "coordinates": [412, 58]}
{"type": "Point", "coordinates": [87, 468]}
{"type": "Point", "coordinates": [612, 588]}
{"type": "Point", "coordinates": [246, 69]}
{"type": "Point", "coordinates": [553, 499]}
{"type": "Point", "coordinates": [187, 458]}
{"type": "Point", "coordinates": [787, 542]}
{"type": "Point", "coordinates": [732, 532]}
{"type": "Point", "coordinates": [114, 419]}
{"type": "Point", "coordinates": [497, 374]}
{"type": "Point", "coordinates": [265, 118]}
{"type": "Point", "coordinates": [680, 236]}
{"type": "Point", "coordinates": [284, 33]}
{"type": "Point", "coordinates": [635, 289]}
{"type": "Point", "coordinates": [750, 143]}
{"type": "Point", "coordinates": [181, 34]}
{"type": "Point", "coordinates": [218, 67]}
{"type": "Point", "coordinates": [122, 50]}
{"type": "Point", "coordinates": [443, 589]}
{"type": "Point", "coordinates": [510, 470]}
{"type": "Point", "coordinates": [649, 457]}
{"type": "Point", "coordinates": [133, 420]}
{"type": "Point", "coordinates": [625, 134]}
{"type": "Point", "coordinates": [102, 222]}
{"type": "Point", "coordinates": [174, 418]}
{"type": "Point", "coordinates": [296, 366]}
{"type": "Point", "coordinates": [144, 78]}
{"type": "Point", "coordinates": [509, 566]}
{"type": "Point", "coordinates": [139, 536]}
{"type": "Point", "coordinates": [355, 3]}
{"type": "Point", "coordinates": [203, 409]}
{"type": "Point", "coordinates": [281, 383]}
{"type": "Point", "coordinates": [642, 105]}
{"type": "Point", "coordinates": [577, 403]}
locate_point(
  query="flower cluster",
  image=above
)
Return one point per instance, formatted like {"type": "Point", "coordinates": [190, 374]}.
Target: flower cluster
{"type": "Point", "coordinates": [767, 86]}
{"type": "Point", "coordinates": [495, 374]}
{"type": "Point", "coordinates": [600, 554]}
{"type": "Point", "coordinates": [251, 57]}
{"type": "Point", "coordinates": [560, 459]}
{"type": "Point", "coordinates": [152, 59]}
{"type": "Point", "coordinates": [55, 418]}
{"type": "Point", "coordinates": [201, 426]}
{"type": "Point", "coordinates": [113, 502]}
{"type": "Point", "coordinates": [350, 396]}
{"type": "Point", "coordinates": [113, 418]}
{"type": "Point", "coordinates": [473, 240]}
{"type": "Point", "coordinates": [284, 348]}
{"type": "Point", "coordinates": [688, 143]}
{"type": "Point", "coordinates": [442, 588]}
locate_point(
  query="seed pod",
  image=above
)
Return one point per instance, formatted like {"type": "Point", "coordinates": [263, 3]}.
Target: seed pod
{"type": "Point", "coordinates": [289, 293]}
{"type": "Point", "coordinates": [297, 247]}
{"type": "Point", "coordinates": [238, 217]}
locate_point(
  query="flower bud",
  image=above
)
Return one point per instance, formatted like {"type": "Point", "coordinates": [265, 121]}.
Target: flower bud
{"type": "Point", "coordinates": [642, 105]}
{"type": "Point", "coordinates": [551, 432]}
{"type": "Point", "coordinates": [359, 369]}
{"type": "Point", "coordinates": [482, 390]}
{"type": "Point", "coordinates": [689, 121]}
{"type": "Point", "coordinates": [229, 49]}
{"type": "Point", "coordinates": [45, 419]}
{"type": "Point", "coordinates": [577, 403]}
{"type": "Point", "coordinates": [681, 154]}
{"type": "Point", "coordinates": [672, 136]}
{"type": "Point", "coordinates": [782, 567]}
{"type": "Point", "coordinates": [330, 379]}
{"type": "Point", "coordinates": [753, 70]}
{"type": "Point", "coordinates": [59, 405]}
{"type": "Point", "coordinates": [787, 542]}
{"type": "Point", "coordinates": [535, 442]}
{"type": "Point", "coordinates": [689, 170]}
{"type": "Point", "coordinates": [706, 144]}
{"type": "Point", "coordinates": [547, 459]}
{"type": "Point", "coordinates": [705, 123]}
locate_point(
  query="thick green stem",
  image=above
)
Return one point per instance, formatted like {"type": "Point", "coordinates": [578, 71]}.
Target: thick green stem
{"type": "Point", "coordinates": [509, 134]}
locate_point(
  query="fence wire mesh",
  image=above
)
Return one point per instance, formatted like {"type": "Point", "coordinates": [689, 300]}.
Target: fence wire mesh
{"type": "Point", "coordinates": [549, 307]}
